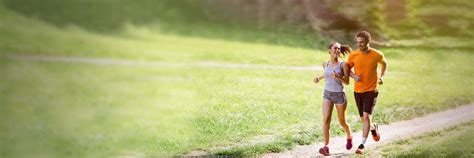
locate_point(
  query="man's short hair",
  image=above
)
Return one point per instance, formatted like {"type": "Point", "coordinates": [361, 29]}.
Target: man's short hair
{"type": "Point", "coordinates": [365, 35]}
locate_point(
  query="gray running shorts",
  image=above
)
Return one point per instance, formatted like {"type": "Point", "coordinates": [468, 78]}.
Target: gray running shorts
{"type": "Point", "coordinates": [335, 97]}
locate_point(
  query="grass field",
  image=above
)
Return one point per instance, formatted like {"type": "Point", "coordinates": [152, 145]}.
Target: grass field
{"type": "Point", "coordinates": [70, 109]}
{"type": "Point", "coordinates": [452, 142]}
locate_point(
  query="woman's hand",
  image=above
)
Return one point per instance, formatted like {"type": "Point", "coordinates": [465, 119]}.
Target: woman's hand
{"type": "Point", "coordinates": [336, 75]}
{"type": "Point", "coordinates": [316, 80]}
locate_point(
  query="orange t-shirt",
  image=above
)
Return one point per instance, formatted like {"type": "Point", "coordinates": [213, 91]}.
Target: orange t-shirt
{"type": "Point", "coordinates": [365, 65]}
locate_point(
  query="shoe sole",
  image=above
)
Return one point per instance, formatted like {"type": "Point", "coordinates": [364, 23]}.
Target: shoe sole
{"type": "Point", "coordinates": [349, 148]}
{"type": "Point", "coordinates": [324, 154]}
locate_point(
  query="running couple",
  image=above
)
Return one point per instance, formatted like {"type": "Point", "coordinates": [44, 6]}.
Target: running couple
{"type": "Point", "coordinates": [364, 60]}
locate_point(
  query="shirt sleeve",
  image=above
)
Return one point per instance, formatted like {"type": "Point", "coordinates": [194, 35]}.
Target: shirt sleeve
{"type": "Point", "coordinates": [350, 61]}
{"type": "Point", "coordinates": [382, 58]}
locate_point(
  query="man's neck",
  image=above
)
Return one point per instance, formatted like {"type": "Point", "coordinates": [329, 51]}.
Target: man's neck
{"type": "Point", "coordinates": [366, 50]}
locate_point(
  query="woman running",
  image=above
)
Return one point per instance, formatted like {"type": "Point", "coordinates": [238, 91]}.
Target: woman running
{"type": "Point", "coordinates": [336, 72]}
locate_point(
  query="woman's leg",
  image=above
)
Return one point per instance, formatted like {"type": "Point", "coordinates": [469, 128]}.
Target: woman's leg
{"type": "Point", "coordinates": [341, 116]}
{"type": "Point", "coordinates": [327, 112]}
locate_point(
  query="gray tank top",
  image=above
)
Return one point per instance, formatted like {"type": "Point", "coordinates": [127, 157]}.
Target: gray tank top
{"type": "Point", "coordinates": [333, 84]}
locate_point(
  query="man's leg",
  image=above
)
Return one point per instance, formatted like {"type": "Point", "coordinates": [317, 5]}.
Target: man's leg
{"type": "Point", "coordinates": [366, 127]}
{"type": "Point", "coordinates": [370, 106]}
{"type": "Point", "coordinates": [359, 102]}
{"type": "Point", "coordinates": [366, 119]}
{"type": "Point", "coordinates": [369, 101]}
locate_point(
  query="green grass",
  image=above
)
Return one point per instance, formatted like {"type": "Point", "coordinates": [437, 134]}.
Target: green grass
{"type": "Point", "coordinates": [452, 142]}
{"type": "Point", "coordinates": [57, 109]}
{"type": "Point", "coordinates": [135, 42]}
{"type": "Point", "coordinates": [81, 110]}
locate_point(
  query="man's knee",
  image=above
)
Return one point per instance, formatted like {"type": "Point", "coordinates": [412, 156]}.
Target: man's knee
{"type": "Point", "coordinates": [366, 117]}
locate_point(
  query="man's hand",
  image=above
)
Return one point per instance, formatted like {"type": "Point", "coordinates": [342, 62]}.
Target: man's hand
{"type": "Point", "coordinates": [380, 80]}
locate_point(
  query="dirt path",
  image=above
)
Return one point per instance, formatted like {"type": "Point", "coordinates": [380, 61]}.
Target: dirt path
{"type": "Point", "coordinates": [109, 61]}
{"type": "Point", "coordinates": [389, 133]}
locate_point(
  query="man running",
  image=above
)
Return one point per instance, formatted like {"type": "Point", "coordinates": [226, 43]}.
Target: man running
{"type": "Point", "coordinates": [365, 60]}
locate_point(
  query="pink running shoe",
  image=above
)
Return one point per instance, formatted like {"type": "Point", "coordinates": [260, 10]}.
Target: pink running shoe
{"type": "Point", "coordinates": [349, 144]}
{"type": "Point", "coordinates": [324, 151]}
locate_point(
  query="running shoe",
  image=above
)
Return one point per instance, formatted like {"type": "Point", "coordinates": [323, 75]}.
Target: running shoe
{"type": "Point", "coordinates": [360, 149]}
{"type": "Point", "coordinates": [375, 133]}
{"type": "Point", "coordinates": [324, 151]}
{"type": "Point", "coordinates": [349, 144]}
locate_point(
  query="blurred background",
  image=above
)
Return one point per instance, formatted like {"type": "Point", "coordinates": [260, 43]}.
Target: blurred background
{"type": "Point", "coordinates": [304, 19]}
{"type": "Point", "coordinates": [113, 78]}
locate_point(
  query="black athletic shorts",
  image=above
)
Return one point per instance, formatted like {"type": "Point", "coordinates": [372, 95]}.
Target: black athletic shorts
{"type": "Point", "coordinates": [366, 101]}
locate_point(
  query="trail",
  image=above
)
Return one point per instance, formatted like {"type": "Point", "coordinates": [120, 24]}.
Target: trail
{"type": "Point", "coordinates": [389, 133]}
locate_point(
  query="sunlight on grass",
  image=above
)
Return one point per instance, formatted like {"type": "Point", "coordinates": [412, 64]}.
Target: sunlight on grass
{"type": "Point", "coordinates": [452, 142]}
{"type": "Point", "coordinates": [61, 109]}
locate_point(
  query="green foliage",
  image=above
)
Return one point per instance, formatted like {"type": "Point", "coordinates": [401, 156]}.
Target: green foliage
{"type": "Point", "coordinates": [374, 17]}
{"type": "Point", "coordinates": [108, 15]}
{"type": "Point", "coordinates": [183, 17]}
{"type": "Point", "coordinates": [432, 18]}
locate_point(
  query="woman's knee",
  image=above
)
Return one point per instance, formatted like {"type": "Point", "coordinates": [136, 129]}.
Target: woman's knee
{"type": "Point", "coordinates": [327, 120]}
{"type": "Point", "coordinates": [343, 123]}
